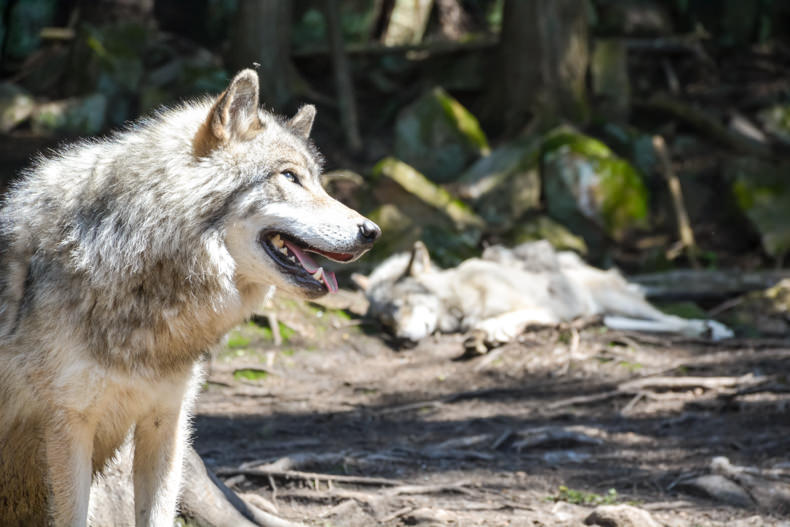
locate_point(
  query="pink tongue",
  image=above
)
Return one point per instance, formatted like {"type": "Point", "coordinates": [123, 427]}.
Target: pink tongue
{"type": "Point", "coordinates": [330, 281]}
{"type": "Point", "coordinates": [305, 260]}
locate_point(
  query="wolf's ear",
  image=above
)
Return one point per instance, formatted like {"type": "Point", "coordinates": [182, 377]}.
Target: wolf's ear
{"type": "Point", "coordinates": [233, 116]}
{"type": "Point", "coordinates": [420, 261]}
{"type": "Point", "coordinates": [361, 281]}
{"type": "Point", "coordinates": [302, 122]}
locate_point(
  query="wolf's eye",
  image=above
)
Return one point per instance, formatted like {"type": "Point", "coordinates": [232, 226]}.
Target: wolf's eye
{"type": "Point", "coordinates": [290, 176]}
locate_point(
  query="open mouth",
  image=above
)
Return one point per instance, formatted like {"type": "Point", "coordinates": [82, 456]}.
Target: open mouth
{"type": "Point", "coordinates": [291, 255]}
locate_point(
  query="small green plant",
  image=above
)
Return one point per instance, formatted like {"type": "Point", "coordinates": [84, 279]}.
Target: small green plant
{"type": "Point", "coordinates": [579, 497]}
{"type": "Point", "coordinates": [250, 374]}
{"type": "Point", "coordinates": [630, 366]}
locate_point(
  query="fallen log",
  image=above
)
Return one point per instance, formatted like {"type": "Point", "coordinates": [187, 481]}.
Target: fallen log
{"type": "Point", "coordinates": [693, 284]}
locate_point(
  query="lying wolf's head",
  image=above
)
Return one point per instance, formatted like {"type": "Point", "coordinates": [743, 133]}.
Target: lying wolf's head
{"type": "Point", "coordinates": [402, 297]}
{"type": "Point", "coordinates": [280, 212]}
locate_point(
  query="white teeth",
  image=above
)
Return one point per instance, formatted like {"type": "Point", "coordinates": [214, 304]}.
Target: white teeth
{"type": "Point", "coordinates": [319, 274]}
{"type": "Point", "coordinates": [283, 250]}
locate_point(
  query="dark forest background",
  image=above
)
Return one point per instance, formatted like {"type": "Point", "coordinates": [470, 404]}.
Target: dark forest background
{"type": "Point", "coordinates": [648, 134]}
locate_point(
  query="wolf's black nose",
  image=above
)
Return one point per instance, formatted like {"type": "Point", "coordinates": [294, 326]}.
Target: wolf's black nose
{"type": "Point", "coordinates": [369, 231]}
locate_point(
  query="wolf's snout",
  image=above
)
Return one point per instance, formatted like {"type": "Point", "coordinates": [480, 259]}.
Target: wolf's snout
{"type": "Point", "coordinates": [369, 231]}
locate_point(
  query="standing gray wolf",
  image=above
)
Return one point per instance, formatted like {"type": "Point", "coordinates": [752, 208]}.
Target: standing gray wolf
{"type": "Point", "coordinates": [121, 262]}
{"type": "Point", "coordinates": [497, 296]}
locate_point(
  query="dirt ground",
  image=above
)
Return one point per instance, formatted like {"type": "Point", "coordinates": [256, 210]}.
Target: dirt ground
{"type": "Point", "coordinates": [335, 427]}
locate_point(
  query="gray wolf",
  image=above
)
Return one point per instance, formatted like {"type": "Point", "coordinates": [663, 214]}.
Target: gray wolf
{"type": "Point", "coordinates": [122, 261]}
{"type": "Point", "coordinates": [498, 295]}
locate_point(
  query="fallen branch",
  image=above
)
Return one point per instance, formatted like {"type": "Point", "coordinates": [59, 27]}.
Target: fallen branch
{"type": "Point", "coordinates": [691, 284]}
{"type": "Point", "coordinates": [643, 386]}
{"type": "Point", "coordinates": [706, 124]}
{"type": "Point", "coordinates": [583, 399]}
{"type": "Point", "coordinates": [681, 216]}
{"type": "Point", "coordinates": [684, 383]}
{"type": "Point", "coordinates": [308, 476]}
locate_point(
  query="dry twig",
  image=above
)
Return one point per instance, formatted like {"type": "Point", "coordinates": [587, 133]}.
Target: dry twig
{"type": "Point", "coordinates": [681, 216]}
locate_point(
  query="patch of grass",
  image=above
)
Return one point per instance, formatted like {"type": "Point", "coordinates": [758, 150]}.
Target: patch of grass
{"type": "Point", "coordinates": [236, 340]}
{"type": "Point", "coordinates": [683, 310]}
{"type": "Point", "coordinates": [250, 374]}
{"type": "Point", "coordinates": [580, 497]}
{"type": "Point", "coordinates": [285, 332]}
{"type": "Point", "coordinates": [630, 366]}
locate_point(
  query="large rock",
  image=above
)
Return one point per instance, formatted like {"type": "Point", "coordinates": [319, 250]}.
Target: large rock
{"type": "Point", "coordinates": [544, 228]}
{"type": "Point", "coordinates": [762, 192]}
{"type": "Point", "coordinates": [763, 313]}
{"type": "Point", "coordinates": [16, 106]}
{"type": "Point", "coordinates": [504, 184]}
{"type": "Point", "coordinates": [74, 116]}
{"type": "Point", "coordinates": [438, 136]}
{"type": "Point", "coordinates": [620, 516]}
{"type": "Point", "coordinates": [776, 120]}
{"type": "Point", "coordinates": [417, 209]}
{"type": "Point", "coordinates": [590, 189]}
{"type": "Point", "coordinates": [718, 488]}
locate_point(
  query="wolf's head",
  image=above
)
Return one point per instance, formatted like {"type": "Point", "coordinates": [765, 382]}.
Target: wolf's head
{"type": "Point", "coordinates": [280, 213]}
{"type": "Point", "coordinates": [402, 296]}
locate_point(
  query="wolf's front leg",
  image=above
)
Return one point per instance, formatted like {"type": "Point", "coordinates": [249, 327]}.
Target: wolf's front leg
{"type": "Point", "coordinates": [159, 442]}
{"type": "Point", "coordinates": [507, 326]}
{"type": "Point", "coordinates": [68, 446]}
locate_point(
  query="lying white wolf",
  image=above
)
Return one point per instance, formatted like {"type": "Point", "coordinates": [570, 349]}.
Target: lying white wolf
{"type": "Point", "coordinates": [499, 295]}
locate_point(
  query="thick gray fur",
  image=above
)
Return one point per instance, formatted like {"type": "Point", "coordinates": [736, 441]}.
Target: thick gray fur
{"type": "Point", "coordinates": [122, 261]}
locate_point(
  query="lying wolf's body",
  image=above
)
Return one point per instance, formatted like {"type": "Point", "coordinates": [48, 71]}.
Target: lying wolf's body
{"type": "Point", "coordinates": [499, 295]}
{"type": "Point", "coordinates": [122, 261]}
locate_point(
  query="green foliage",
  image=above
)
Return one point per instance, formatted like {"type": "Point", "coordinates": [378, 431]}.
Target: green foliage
{"type": "Point", "coordinates": [683, 309]}
{"type": "Point", "coordinates": [236, 340]}
{"type": "Point", "coordinates": [579, 497]}
{"type": "Point", "coordinates": [250, 374]}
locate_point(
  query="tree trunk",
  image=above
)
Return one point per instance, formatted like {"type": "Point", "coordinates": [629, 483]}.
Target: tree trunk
{"type": "Point", "coordinates": [262, 34]}
{"type": "Point", "coordinates": [540, 64]}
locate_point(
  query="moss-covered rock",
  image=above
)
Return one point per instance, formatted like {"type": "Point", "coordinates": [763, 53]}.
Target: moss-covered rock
{"type": "Point", "coordinates": [416, 209]}
{"type": "Point", "coordinates": [74, 116]}
{"type": "Point", "coordinates": [544, 228]}
{"type": "Point", "coordinates": [776, 120]}
{"type": "Point", "coordinates": [438, 136]}
{"type": "Point", "coordinates": [589, 188]}
{"type": "Point", "coordinates": [505, 184]}
{"type": "Point", "coordinates": [765, 313]}
{"type": "Point", "coordinates": [415, 184]}
{"type": "Point", "coordinates": [16, 106]}
{"type": "Point", "coordinates": [762, 192]}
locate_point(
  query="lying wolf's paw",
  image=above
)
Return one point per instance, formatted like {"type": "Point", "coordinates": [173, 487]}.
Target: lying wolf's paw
{"type": "Point", "coordinates": [475, 345]}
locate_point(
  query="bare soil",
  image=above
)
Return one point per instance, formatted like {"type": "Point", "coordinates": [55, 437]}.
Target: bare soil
{"type": "Point", "coordinates": [342, 429]}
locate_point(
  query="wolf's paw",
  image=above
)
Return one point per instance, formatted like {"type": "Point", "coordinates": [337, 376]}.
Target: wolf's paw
{"type": "Point", "coordinates": [475, 345]}
{"type": "Point", "coordinates": [718, 331]}
{"type": "Point", "coordinates": [709, 329]}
